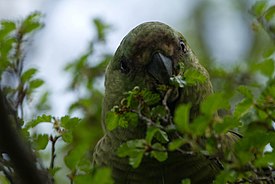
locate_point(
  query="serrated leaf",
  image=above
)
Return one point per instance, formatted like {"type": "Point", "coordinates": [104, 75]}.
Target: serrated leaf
{"type": "Point", "coordinates": [67, 136]}
{"type": "Point", "coordinates": [112, 120]}
{"type": "Point", "coordinates": [159, 152]}
{"type": "Point", "coordinates": [40, 141]}
{"type": "Point", "coordinates": [162, 136]}
{"type": "Point", "coordinates": [181, 118]}
{"type": "Point", "coordinates": [193, 76]}
{"type": "Point", "coordinates": [158, 111]}
{"type": "Point", "coordinates": [122, 122]}
{"type": "Point", "coordinates": [150, 98]}
{"type": "Point", "coordinates": [68, 122]}
{"type": "Point", "coordinates": [39, 119]}
{"type": "Point", "coordinates": [27, 75]}
{"type": "Point", "coordinates": [131, 118]}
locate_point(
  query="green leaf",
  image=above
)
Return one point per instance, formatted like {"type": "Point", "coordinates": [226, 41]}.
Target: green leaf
{"type": "Point", "coordinates": [245, 91]}
{"type": "Point", "coordinates": [225, 176]}
{"type": "Point", "coordinates": [69, 123]}
{"type": "Point", "coordinates": [193, 76]}
{"type": "Point", "coordinates": [259, 7]}
{"type": "Point", "coordinates": [36, 83]}
{"type": "Point", "coordinates": [74, 156]}
{"type": "Point", "coordinates": [158, 112]}
{"type": "Point", "coordinates": [150, 133]}
{"type": "Point", "coordinates": [136, 158]}
{"type": "Point", "coordinates": [131, 118]}
{"type": "Point", "coordinates": [6, 28]}
{"type": "Point", "coordinates": [161, 136]}
{"type": "Point", "coordinates": [67, 136]}
{"type": "Point", "coordinates": [102, 175]}
{"type": "Point", "coordinates": [270, 13]}
{"type": "Point", "coordinates": [27, 75]}
{"type": "Point", "coordinates": [266, 67]}
{"type": "Point", "coordinates": [101, 29]}
{"type": "Point", "coordinates": [228, 123]}
{"type": "Point", "coordinates": [39, 119]}
{"type": "Point", "coordinates": [5, 50]}
{"type": "Point", "coordinates": [269, 51]}
{"type": "Point", "coordinates": [150, 98]}
{"type": "Point", "coordinates": [199, 125]}
{"type": "Point", "coordinates": [31, 23]}
{"type": "Point", "coordinates": [243, 107]}
{"type": "Point", "coordinates": [84, 178]}
{"type": "Point", "coordinates": [159, 152]}
{"type": "Point", "coordinates": [186, 181]}
{"type": "Point", "coordinates": [176, 144]}
{"type": "Point", "coordinates": [181, 117]}
{"type": "Point", "coordinates": [54, 170]}
{"type": "Point", "coordinates": [266, 160]}
{"type": "Point", "coordinates": [122, 122]}
{"type": "Point", "coordinates": [213, 103]}
{"type": "Point", "coordinates": [40, 141]}
{"type": "Point", "coordinates": [135, 149]}
{"type": "Point", "coordinates": [131, 146]}
{"type": "Point", "coordinates": [112, 120]}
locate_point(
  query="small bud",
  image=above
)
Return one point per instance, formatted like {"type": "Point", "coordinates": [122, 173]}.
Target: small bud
{"type": "Point", "coordinates": [136, 89]}
{"type": "Point", "coordinates": [115, 108]}
{"type": "Point", "coordinates": [124, 102]}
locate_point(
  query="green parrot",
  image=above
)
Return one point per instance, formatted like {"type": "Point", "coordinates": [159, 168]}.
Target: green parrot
{"type": "Point", "coordinates": [149, 55]}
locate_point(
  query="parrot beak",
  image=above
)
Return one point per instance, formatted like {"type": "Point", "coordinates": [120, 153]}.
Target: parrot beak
{"type": "Point", "coordinates": [161, 68]}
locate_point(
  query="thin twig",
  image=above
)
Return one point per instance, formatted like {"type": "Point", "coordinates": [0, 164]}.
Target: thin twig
{"type": "Point", "coordinates": [53, 155]}
{"type": "Point", "coordinates": [168, 118]}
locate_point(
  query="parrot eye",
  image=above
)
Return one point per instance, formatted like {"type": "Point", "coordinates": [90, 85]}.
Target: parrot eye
{"type": "Point", "coordinates": [183, 47]}
{"type": "Point", "coordinates": [124, 67]}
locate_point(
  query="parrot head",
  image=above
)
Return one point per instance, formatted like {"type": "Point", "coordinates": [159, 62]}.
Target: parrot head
{"type": "Point", "coordinates": [151, 49]}
{"type": "Point", "coordinates": [148, 56]}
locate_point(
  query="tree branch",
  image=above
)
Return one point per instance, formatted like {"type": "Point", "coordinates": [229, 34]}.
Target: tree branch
{"type": "Point", "coordinates": [19, 151]}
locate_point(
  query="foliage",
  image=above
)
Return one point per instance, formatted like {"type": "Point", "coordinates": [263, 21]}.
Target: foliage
{"type": "Point", "coordinates": [76, 136]}
{"type": "Point", "coordinates": [245, 100]}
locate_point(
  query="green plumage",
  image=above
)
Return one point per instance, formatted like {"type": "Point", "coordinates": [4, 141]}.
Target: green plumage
{"type": "Point", "coordinates": [146, 57]}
